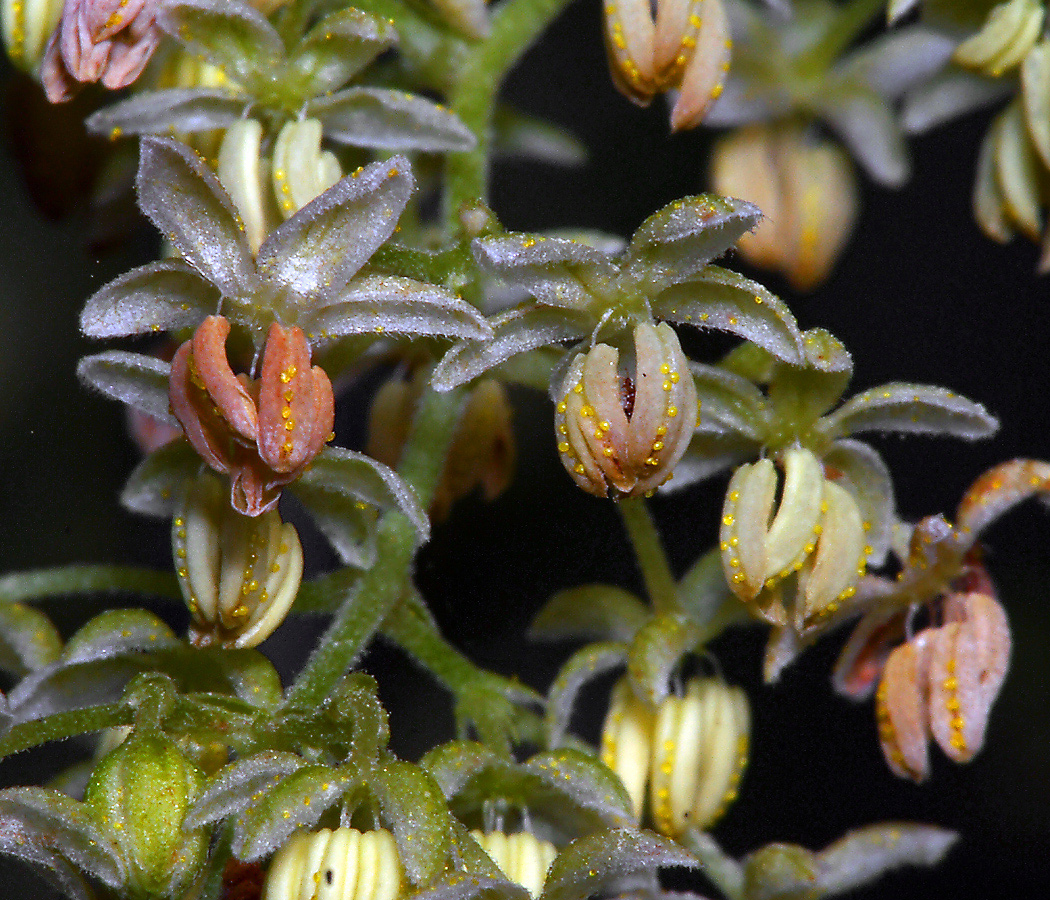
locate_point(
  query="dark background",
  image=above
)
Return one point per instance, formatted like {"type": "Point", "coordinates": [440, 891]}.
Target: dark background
{"type": "Point", "coordinates": [920, 295]}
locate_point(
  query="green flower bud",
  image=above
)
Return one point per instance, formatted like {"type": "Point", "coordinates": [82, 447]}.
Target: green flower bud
{"type": "Point", "coordinates": [140, 792]}
{"type": "Point", "coordinates": [691, 753]}
{"type": "Point", "coordinates": [344, 864]}
{"type": "Point", "coordinates": [522, 857]}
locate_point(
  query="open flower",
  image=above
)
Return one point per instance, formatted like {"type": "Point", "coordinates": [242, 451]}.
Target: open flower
{"type": "Point", "coordinates": [261, 433]}
{"type": "Point", "coordinates": [99, 40]}
{"type": "Point", "coordinates": [685, 46]}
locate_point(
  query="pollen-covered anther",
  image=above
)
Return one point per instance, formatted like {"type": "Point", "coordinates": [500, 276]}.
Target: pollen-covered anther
{"type": "Point", "coordinates": [685, 46]}
{"type": "Point", "coordinates": [618, 434]}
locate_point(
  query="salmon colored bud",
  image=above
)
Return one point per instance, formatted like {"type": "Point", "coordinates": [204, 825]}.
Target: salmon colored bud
{"type": "Point", "coordinates": [621, 432]}
{"type": "Point", "coordinates": [262, 434]}
{"type": "Point", "coordinates": [685, 46]}
{"type": "Point", "coordinates": [522, 857]}
{"type": "Point", "coordinates": [344, 863]}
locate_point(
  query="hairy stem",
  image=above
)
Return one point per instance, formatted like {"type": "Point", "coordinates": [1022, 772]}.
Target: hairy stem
{"type": "Point", "coordinates": [656, 572]}
{"type": "Point", "coordinates": [40, 584]}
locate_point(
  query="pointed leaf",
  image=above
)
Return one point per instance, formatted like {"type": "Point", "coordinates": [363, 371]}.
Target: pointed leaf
{"type": "Point", "coordinates": [892, 63]}
{"type": "Point", "coordinates": [339, 47]}
{"type": "Point", "coordinates": [556, 271]}
{"type": "Point", "coordinates": [28, 640]}
{"type": "Point", "coordinates": [866, 476]}
{"type": "Point", "coordinates": [656, 651]}
{"type": "Point", "coordinates": [136, 379]}
{"type": "Point", "coordinates": [383, 304]}
{"type": "Point", "coordinates": [453, 763]}
{"type": "Point", "coordinates": [590, 612]}
{"type": "Point", "coordinates": [516, 331]}
{"type": "Point", "coordinates": [729, 403]}
{"type": "Point", "coordinates": [354, 702]}
{"type": "Point", "coordinates": [584, 665]}
{"type": "Point", "coordinates": [413, 808]}
{"type": "Point", "coordinates": [721, 299]}
{"type": "Point", "coordinates": [185, 110]}
{"type": "Point", "coordinates": [163, 296]}
{"type": "Point", "coordinates": [780, 872]}
{"type": "Point", "coordinates": [297, 802]}
{"type": "Point", "coordinates": [587, 865]}
{"type": "Point", "coordinates": [683, 237]}
{"type": "Point", "coordinates": [55, 825]}
{"type": "Point", "coordinates": [238, 785]}
{"type": "Point", "coordinates": [189, 206]}
{"type": "Point", "coordinates": [386, 119]}
{"type": "Point", "coordinates": [231, 34]}
{"type": "Point", "coordinates": [719, 867]}
{"type": "Point", "coordinates": [154, 486]}
{"type": "Point", "coordinates": [319, 249]}
{"type": "Point", "coordinates": [867, 126]}
{"type": "Point", "coordinates": [948, 96]}
{"type": "Point", "coordinates": [117, 631]}
{"type": "Point", "coordinates": [912, 409]}
{"type": "Point", "coordinates": [864, 855]}
{"type": "Point", "coordinates": [60, 726]}
{"type": "Point", "coordinates": [587, 783]}
{"type": "Point", "coordinates": [473, 886]}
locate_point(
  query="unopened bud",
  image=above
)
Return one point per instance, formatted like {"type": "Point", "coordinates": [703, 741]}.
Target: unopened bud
{"type": "Point", "coordinates": [522, 857]}
{"type": "Point", "coordinates": [345, 863]}
{"type": "Point", "coordinates": [27, 24]}
{"type": "Point", "coordinates": [239, 574]}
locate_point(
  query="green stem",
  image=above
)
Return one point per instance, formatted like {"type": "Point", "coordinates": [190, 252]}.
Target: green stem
{"type": "Point", "coordinates": [844, 29]}
{"type": "Point", "coordinates": [656, 572]}
{"type": "Point", "coordinates": [40, 584]}
{"type": "Point", "coordinates": [366, 606]}
{"type": "Point", "coordinates": [515, 25]}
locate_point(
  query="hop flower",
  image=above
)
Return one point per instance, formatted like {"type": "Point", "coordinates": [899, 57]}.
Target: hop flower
{"type": "Point", "coordinates": [99, 40]}
{"type": "Point", "coordinates": [686, 46]}
{"type": "Point", "coordinates": [621, 432]}
{"type": "Point", "coordinates": [262, 433]}
{"type": "Point", "coordinates": [343, 863]}
{"type": "Point", "coordinates": [690, 752]}
{"type": "Point", "coordinates": [239, 575]}
{"type": "Point", "coordinates": [943, 682]}
{"type": "Point", "coordinates": [522, 857]}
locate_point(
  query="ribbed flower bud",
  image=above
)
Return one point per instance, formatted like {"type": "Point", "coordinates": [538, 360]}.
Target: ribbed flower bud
{"type": "Point", "coordinates": [621, 432]}
{"type": "Point", "coordinates": [140, 792]}
{"type": "Point", "coordinates": [817, 532]}
{"type": "Point", "coordinates": [27, 24]}
{"type": "Point", "coordinates": [344, 864]}
{"type": "Point", "coordinates": [522, 857]}
{"type": "Point", "coordinates": [239, 574]}
{"type": "Point", "coordinates": [262, 433]}
{"type": "Point", "coordinates": [687, 756]}
{"type": "Point", "coordinates": [685, 46]}
{"type": "Point", "coordinates": [1008, 34]}
{"type": "Point", "coordinates": [943, 683]}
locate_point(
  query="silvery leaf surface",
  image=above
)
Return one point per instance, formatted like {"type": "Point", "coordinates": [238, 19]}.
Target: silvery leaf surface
{"type": "Point", "coordinates": [386, 119]}
{"type": "Point", "coordinates": [237, 785]}
{"type": "Point", "coordinates": [183, 198]}
{"type": "Point", "coordinates": [136, 379]}
{"type": "Point", "coordinates": [895, 62]}
{"type": "Point", "coordinates": [949, 95]}
{"type": "Point", "coordinates": [514, 332]}
{"type": "Point", "coordinates": [729, 404]}
{"type": "Point", "coordinates": [413, 808]}
{"type": "Point", "coordinates": [898, 8]}
{"type": "Point", "coordinates": [868, 126]}
{"type": "Point", "coordinates": [162, 296]}
{"type": "Point", "coordinates": [28, 640]}
{"type": "Point", "coordinates": [337, 48]}
{"type": "Point", "coordinates": [51, 829]}
{"type": "Point", "coordinates": [721, 299]}
{"type": "Point", "coordinates": [588, 864]}
{"type": "Point", "coordinates": [912, 409]}
{"type": "Point", "coordinates": [656, 651]}
{"type": "Point", "coordinates": [584, 665]}
{"type": "Point", "coordinates": [555, 271]}
{"type": "Point", "coordinates": [231, 34]}
{"type": "Point", "coordinates": [385, 304]}
{"type": "Point", "coordinates": [590, 612]}
{"type": "Point", "coordinates": [588, 785]}
{"type": "Point", "coordinates": [453, 763]}
{"type": "Point", "coordinates": [185, 110]}
{"type": "Point", "coordinates": [862, 471]}
{"type": "Point", "coordinates": [474, 886]}
{"type": "Point", "coordinates": [116, 631]}
{"type": "Point", "coordinates": [737, 105]}
{"type": "Point", "coordinates": [677, 241]}
{"type": "Point", "coordinates": [319, 249]}
{"type": "Point", "coordinates": [154, 486]}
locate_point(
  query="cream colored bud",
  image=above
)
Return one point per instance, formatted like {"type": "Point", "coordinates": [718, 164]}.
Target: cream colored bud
{"type": "Point", "coordinates": [27, 24]}
{"type": "Point", "coordinates": [691, 752]}
{"type": "Point", "coordinates": [1010, 31]}
{"type": "Point", "coordinates": [240, 171]}
{"type": "Point", "coordinates": [619, 432]}
{"type": "Point", "coordinates": [344, 864]}
{"type": "Point", "coordinates": [301, 170]}
{"type": "Point", "coordinates": [239, 574]}
{"type": "Point", "coordinates": [522, 857]}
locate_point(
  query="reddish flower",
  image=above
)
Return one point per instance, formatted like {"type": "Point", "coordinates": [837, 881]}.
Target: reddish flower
{"type": "Point", "coordinates": [262, 433]}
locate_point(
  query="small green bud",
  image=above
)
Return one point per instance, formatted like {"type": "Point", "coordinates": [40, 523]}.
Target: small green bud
{"type": "Point", "coordinates": [141, 792]}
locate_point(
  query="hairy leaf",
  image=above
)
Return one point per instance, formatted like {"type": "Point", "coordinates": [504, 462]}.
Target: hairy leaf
{"type": "Point", "coordinates": [585, 664]}
{"type": "Point", "coordinates": [136, 379]}
{"type": "Point", "coordinates": [240, 784]}
{"type": "Point", "coordinates": [588, 784]}
{"type": "Point", "coordinates": [413, 808]}
{"type": "Point", "coordinates": [590, 612]}
{"type": "Point", "coordinates": [656, 651]}
{"type": "Point", "coordinates": [912, 409]}
{"type": "Point", "coordinates": [154, 486]}
{"type": "Point", "coordinates": [337, 48]}
{"type": "Point", "coordinates": [28, 640]}
{"type": "Point", "coordinates": [862, 471]}
{"type": "Point", "coordinates": [186, 110]}
{"type": "Point", "coordinates": [729, 403]}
